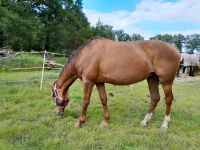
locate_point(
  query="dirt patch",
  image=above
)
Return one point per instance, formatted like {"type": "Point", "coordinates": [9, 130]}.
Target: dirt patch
{"type": "Point", "coordinates": [187, 78]}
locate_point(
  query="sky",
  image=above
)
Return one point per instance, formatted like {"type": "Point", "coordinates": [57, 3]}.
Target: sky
{"type": "Point", "coordinates": [146, 17]}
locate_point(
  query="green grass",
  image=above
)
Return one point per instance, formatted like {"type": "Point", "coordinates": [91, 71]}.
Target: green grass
{"type": "Point", "coordinates": [28, 119]}
{"type": "Point", "coordinates": [27, 60]}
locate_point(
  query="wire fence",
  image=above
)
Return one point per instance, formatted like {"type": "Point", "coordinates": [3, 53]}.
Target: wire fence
{"type": "Point", "coordinates": [25, 81]}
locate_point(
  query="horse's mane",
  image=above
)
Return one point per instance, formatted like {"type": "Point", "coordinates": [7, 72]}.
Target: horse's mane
{"type": "Point", "coordinates": [75, 54]}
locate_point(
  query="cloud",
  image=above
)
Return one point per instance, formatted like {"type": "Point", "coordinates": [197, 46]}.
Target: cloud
{"type": "Point", "coordinates": [150, 10]}
{"type": "Point", "coordinates": [157, 10]}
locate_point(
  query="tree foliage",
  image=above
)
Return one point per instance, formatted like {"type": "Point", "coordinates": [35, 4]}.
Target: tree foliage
{"type": "Point", "coordinates": [103, 30]}
{"type": "Point", "coordinates": [179, 40]}
{"type": "Point", "coordinates": [193, 43]}
{"type": "Point", "coordinates": [43, 24]}
{"type": "Point", "coordinates": [136, 37]}
{"type": "Point", "coordinates": [18, 26]}
{"type": "Point", "coordinates": [190, 42]}
{"type": "Point", "coordinates": [166, 38]}
{"type": "Point", "coordinates": [120, 35]}
{"type": "Point", "coordinates": [107, 31]}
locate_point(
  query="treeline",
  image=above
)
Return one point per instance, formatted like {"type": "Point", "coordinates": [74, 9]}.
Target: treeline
{"type": "Point", "coordinates": [61, 25]}
{"type": "Point", "coordinates": [43, 24]}
{"type": "Point", "coordinates": [54, 25]}
{"type": "Point", "coordinates": [189, 43]}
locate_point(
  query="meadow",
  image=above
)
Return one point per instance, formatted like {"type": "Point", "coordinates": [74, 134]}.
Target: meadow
{"type": "Point", "coordinates": [28, 119]}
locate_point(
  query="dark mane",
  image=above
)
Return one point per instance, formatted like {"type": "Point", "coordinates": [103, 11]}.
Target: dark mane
{"type": "Point", "coordinates": [76, 52]}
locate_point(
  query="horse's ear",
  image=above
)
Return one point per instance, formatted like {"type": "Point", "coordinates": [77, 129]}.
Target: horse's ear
{"type": "Point", "coordinates": [50, 84]}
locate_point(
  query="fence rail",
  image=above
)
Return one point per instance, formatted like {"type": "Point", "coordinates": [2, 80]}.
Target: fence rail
{"type": "Point", "coordinates": [25, 81]}
{"type": "Point", "coordinates": [42, 52]}
{"type": "Point", "coordinates": [35, 52]}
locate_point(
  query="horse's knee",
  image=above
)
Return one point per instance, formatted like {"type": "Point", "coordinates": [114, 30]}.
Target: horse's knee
{"type": "Point", "coordinates": [155, 102]}
{"type": "Point", "coordinates": [155, 97]}
{"type": "Point", "coordinates": [85, 103]}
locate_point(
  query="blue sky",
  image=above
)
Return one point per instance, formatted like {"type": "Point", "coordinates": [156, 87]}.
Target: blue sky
{"type": "Point", "coordinates": [110, 5]}
{"type": "Point", "coordinates": [147, 17]}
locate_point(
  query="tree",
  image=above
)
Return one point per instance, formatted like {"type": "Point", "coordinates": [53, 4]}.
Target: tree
{"type": "Point", "coordinates": [78, 27]}
{"type": "Point", "coordinates": [193, 43]}
{"type": "Point", "coordinates": [53, 15]}
{"type": "Point", "coordinates": [120, 35]}
{"type": "Point", "coordinates": [166, 38]}
{"type": "Point", "coordinates": [18, 26]}
{"type": "Point", "coordinates": [72, 22]}
{"type": "Point", "coordinates": [103, 30]}
{"type": "Point", "coordinates": [43, 24]}
{"type": "Point", "coordinates": [136, 37]}
{"type": "Point", "coordinates": [1, 38]}
{"type": "Point", "coordinates": [179, 40]}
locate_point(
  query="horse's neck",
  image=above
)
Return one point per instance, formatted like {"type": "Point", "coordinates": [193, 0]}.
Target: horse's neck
{"type": "Point", "coordinates": [66, 78]}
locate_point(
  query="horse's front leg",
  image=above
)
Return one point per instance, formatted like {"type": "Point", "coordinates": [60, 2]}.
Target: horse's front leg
{"type": "Point", "coordinates": [103, 97]}
{"type": "Point", "coordinates": [86, 100]}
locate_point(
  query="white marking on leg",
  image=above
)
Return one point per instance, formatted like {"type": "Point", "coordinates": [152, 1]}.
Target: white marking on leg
{"type": "Point", "coordinates": [166, 122]}
{"type": "Point", "coordinates": [147, 118]}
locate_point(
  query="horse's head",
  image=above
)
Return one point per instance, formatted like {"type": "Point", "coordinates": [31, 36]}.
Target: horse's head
{"type": "Point", "coordinates": [60, 98]}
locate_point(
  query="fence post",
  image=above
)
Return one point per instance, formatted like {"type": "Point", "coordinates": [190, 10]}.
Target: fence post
{"type": "Point", "coordinates": [41, 81]}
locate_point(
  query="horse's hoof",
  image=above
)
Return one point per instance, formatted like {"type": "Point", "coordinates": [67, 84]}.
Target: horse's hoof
{"type": "Point", "coordinates": [164, 127]}
{"type": "Point", "coordinates": [103, 124]}
{"type": "Point", "coordinates": [143, 124]}
{"type": "Point", "coordinates": [77, 125]}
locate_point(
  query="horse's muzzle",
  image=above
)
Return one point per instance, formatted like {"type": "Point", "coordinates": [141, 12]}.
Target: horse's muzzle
{"type": "Point", "coordinates": [60, 106]}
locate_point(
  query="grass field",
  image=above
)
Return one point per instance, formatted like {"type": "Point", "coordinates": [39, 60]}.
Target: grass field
{"type": "Point", "coordinates": [27, 60]}
{"type": "Point", "coordinates": [28, 119]}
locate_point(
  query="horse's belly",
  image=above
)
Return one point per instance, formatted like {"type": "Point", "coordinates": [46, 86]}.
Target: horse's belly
{"type": "Point", "coordinates": [122, 75]}
{"type": "Point", "coordinates": [121, 81]}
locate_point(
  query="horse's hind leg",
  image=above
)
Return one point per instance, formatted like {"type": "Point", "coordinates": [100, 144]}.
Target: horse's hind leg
{"type": "Point", "coordinates": [168, 100]}
{"type": "Point", "coordinates": [153, 83]}
{"type": "Point", "coordinates": [103, 97]}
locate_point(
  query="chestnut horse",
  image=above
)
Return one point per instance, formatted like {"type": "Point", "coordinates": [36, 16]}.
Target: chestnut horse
{"type": "Point", "coordinates": [103, 61]}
